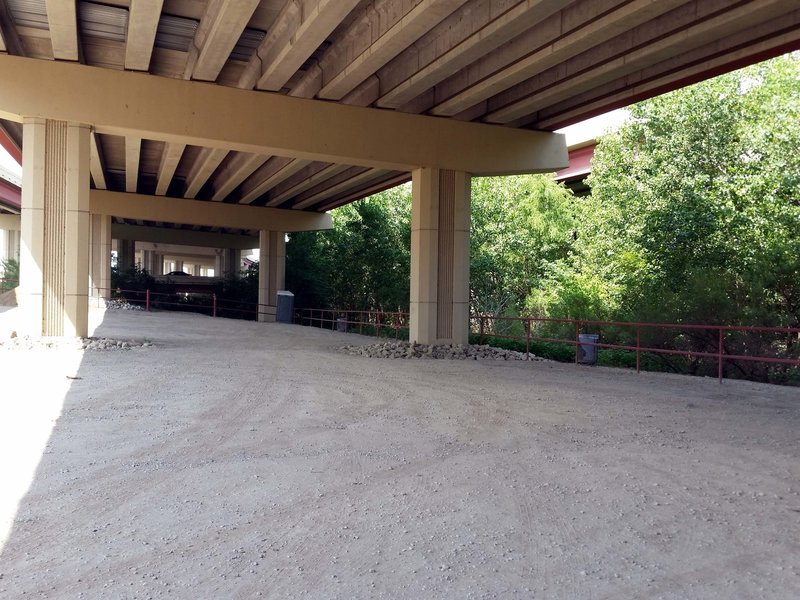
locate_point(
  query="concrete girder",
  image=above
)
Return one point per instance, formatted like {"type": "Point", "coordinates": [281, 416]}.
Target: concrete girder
{"type": "Point", "coordinates": [385, 47]}
{"type": "Point", "coordinates": [96, 164]}
{"type": "Point", "coordinates": [590, 34]}
{"type": "Point", "coordinates": [204, 165]}
{"type": "Point", "coordinates": [183, 237]}
{"type": "Point", "coordinates": [252, 190]}
{"type": "Point", "coordinates": [133, 152]}
{"type": "Point", "coordinates": [143, 17]}
{"type": "Point", "coordinates": [240, 166]}
{"type": "Point", "coordinates": [298, 31]}
{"type": "Point", "coordinates": [198, 212]}
{"type": "Point", "coordinates": [62, 18]}
{"type": "Point", "coordinates": [219, 30]}
{"type": "Point", "coordinates": [170, 158]}
{"type": "Point", "coordinates": [326, 172]}
{"type": "Point", "coordinates": [684, 40]}
{"type": "Point", "coordinates": [171, 110]}
{"type": "Point", "coordinates": [449, 58]}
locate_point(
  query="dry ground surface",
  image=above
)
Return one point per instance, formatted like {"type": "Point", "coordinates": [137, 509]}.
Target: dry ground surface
{"type": "Point", "coordinates": [236, 460]}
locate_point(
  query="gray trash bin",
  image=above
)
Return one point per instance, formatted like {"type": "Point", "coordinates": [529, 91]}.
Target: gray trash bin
{"type": "Point", "coordinates": [341, 324]}
{"type": "Point", "coordinates": [587, 355]}
{"type": "Point", "coordinates": [285, 307]}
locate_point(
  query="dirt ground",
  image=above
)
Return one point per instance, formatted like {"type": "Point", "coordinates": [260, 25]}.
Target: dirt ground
{"type": "Point", "coordinates": [237, 460]}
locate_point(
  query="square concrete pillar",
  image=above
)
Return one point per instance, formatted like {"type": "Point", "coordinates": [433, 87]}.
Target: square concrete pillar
{"type": "Point", "coordinates": [126, 254]}
{"type": "Point", "coordinates": [100, 271]}
{"type": "Point", "coordinates": [440, 220]}
{"type": "Point", "coordinates": [54, 251]}
{"type": "Point", "coordinates": [271, 272]}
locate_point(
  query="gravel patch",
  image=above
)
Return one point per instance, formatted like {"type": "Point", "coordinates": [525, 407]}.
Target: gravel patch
{"type": "Point", "coordinates": [406, 350]}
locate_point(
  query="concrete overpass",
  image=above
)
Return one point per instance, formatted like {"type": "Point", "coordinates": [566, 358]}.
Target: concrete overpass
{"type": "Point", "coordinates": [262, 115]}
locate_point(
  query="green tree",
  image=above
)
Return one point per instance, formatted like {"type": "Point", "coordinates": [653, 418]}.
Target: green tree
{"type": "Point", "coordinates": [522, 227]}
{"type": "Point", "coordinates": [362, 263]}
{"type": "Point", "coordinates": [695, 206]}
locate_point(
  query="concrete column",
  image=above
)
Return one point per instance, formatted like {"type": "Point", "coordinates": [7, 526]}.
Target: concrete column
{"type": "Point", "coordinates": [178, 265]}
{"type": "Point", "coordinates": [232, 261]}
{"type": "Point", "coordinates": [9, 245]}
{"type": "Point", "coordinates": [271, 272]}
{"type": "Point", "coordinates": [126, 255]}
{"type": "Point", "coordinates": [158, 264]}
{"type": "Point", "coordinates": [440, 218]}
{"type": "Point", "coordinates": [54, 254]}
{"type": "Point", "coordinates": [100, 269]}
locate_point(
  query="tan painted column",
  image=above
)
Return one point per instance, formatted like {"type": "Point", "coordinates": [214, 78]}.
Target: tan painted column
{"type": "Point", "coordinates": [440, 218]}
{"type": "Point", "coordinates": [54, 253]}
{"type": "Point", "coordinates": [126, 254]}
{"type": "Point", "coordinates": [271, 272]}
{"type": "Point", "coordinates": [100, 271]}
{"type": "Point", "coordinates": [232, 261]}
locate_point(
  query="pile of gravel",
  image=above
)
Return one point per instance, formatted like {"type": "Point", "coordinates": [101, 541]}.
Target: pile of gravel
{"type": "Point", "coordinates": [441, 351]}
{"type": "Point", "coordinates": [92, 343]}
{"type": "Point", "coordinates": [111, 344]}
{"type": "Point", "coordinates": [117, 304]}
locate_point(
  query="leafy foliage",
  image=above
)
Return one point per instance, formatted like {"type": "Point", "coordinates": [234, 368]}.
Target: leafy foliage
{"type": "Point", "coordinates": [362, 263]}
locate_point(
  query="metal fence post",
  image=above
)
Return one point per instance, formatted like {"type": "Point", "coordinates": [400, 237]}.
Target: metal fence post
{"type": "Point", "coordinates": [480, 318]}
{"type": "Point", "coordinates": [638, 345]}
{"type": "Point", "coordinates": [213, 305]}
{"type": "Point", "coordinates": [147, 300]}
{"type": "Point", "coordinates": [577, 341]}
{"type": "Point", "coordinates": [719, 350]}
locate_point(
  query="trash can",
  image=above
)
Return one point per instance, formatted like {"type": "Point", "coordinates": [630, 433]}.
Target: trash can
{"type": "Point", "coordinates": [587, 355]}
{"type": "Point", "coordinates": [341, 324]}
{"type": "Point", "coordinates": [285, 308]}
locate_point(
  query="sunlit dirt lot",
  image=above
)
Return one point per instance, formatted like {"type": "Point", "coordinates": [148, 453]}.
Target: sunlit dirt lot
{"type": "Point", "coordinates": [235, 460]}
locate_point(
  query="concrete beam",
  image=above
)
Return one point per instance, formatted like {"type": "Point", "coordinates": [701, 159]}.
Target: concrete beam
{"type": "Point", "coordinates": [189, 112]}
{"type": "Point", "coordinates": [10, 222]}
{"type": "Point", "coordinates": [306, 183]}
{"type": "Point", "coordinates": [298, 31]}
{"type": "Point", "coordinates": [143, 17]}
{"type": "Point", "coordinates": [133, 151]}
{"type": "Point", "coordinates": [238, 168]}
{"type": "Point", "coordinates": [198, 212]}
{"type": "Point", "coordinates": [219, 30]}
{"type": "Point", "coordinates": [455, 54]}
{"type": "Point", "coordinates": [183, 237]}
{"type": "Point", "coordinates": [406, 31]}
{"type": "Point", "coordinates": [594, 32]}
{"type": "Point", "coordinates": [253, 190]}
{"type": "Point", "coordinates": [340, 187]}
{"type": "Point", "coordinates": [169, 162]}
{"type": "Point", "coordinates": [96, 164]}
{"type": "Point", "coordinates": [202, 169]}
{"type": "Point", "coordinates": [684, 40]}
{"type": "Point", "coordinates": [62, 18]}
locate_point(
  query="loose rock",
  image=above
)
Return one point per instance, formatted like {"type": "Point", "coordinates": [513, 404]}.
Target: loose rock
{"type": "Point", "coordinates": [408, 350]}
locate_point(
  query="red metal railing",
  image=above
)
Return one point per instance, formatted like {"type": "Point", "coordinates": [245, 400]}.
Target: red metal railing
{"type": "Point", "coordinates": [214, 305]}
{"type": "Point", "coordinates": [487, 325]}
{"type": "Point", "coordinates": [364, 320]}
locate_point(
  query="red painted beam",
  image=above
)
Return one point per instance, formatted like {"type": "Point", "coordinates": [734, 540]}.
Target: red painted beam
{"type": "Point", "coordinates": [580, 164]}
{"type": "Point", "coordinates": [10, 194]}
{"type": "Point", "coordinates": [7, 142]}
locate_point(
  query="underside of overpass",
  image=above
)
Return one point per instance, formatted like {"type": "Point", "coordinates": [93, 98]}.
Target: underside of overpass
{"type": "Point", "coordinates": [257, 117]}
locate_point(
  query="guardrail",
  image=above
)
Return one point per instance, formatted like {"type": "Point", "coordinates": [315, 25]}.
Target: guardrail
{"type": "Point", "coordinates": [487, 324]}
{"type": "Point", "coordinates": [214, 307]}
{"type": "Point", "coordinates": [715, 340]}
{"type": "Point", "coordinates": [365, 320]}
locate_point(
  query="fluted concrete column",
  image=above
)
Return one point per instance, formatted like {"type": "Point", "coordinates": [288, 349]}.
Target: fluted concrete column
{"type": "Point", "coordinates": [100, 271]}
{"type": "Point", "coordinates": [126, 254]}
{"type": "Point", "coordinates": [9, 245]}
{"type": "Point", "coordinates": [271, 272]}
{"type": "Point", "coordinates": [54, 253]}
{"type": "Point", "coordinates": [440, 218]}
